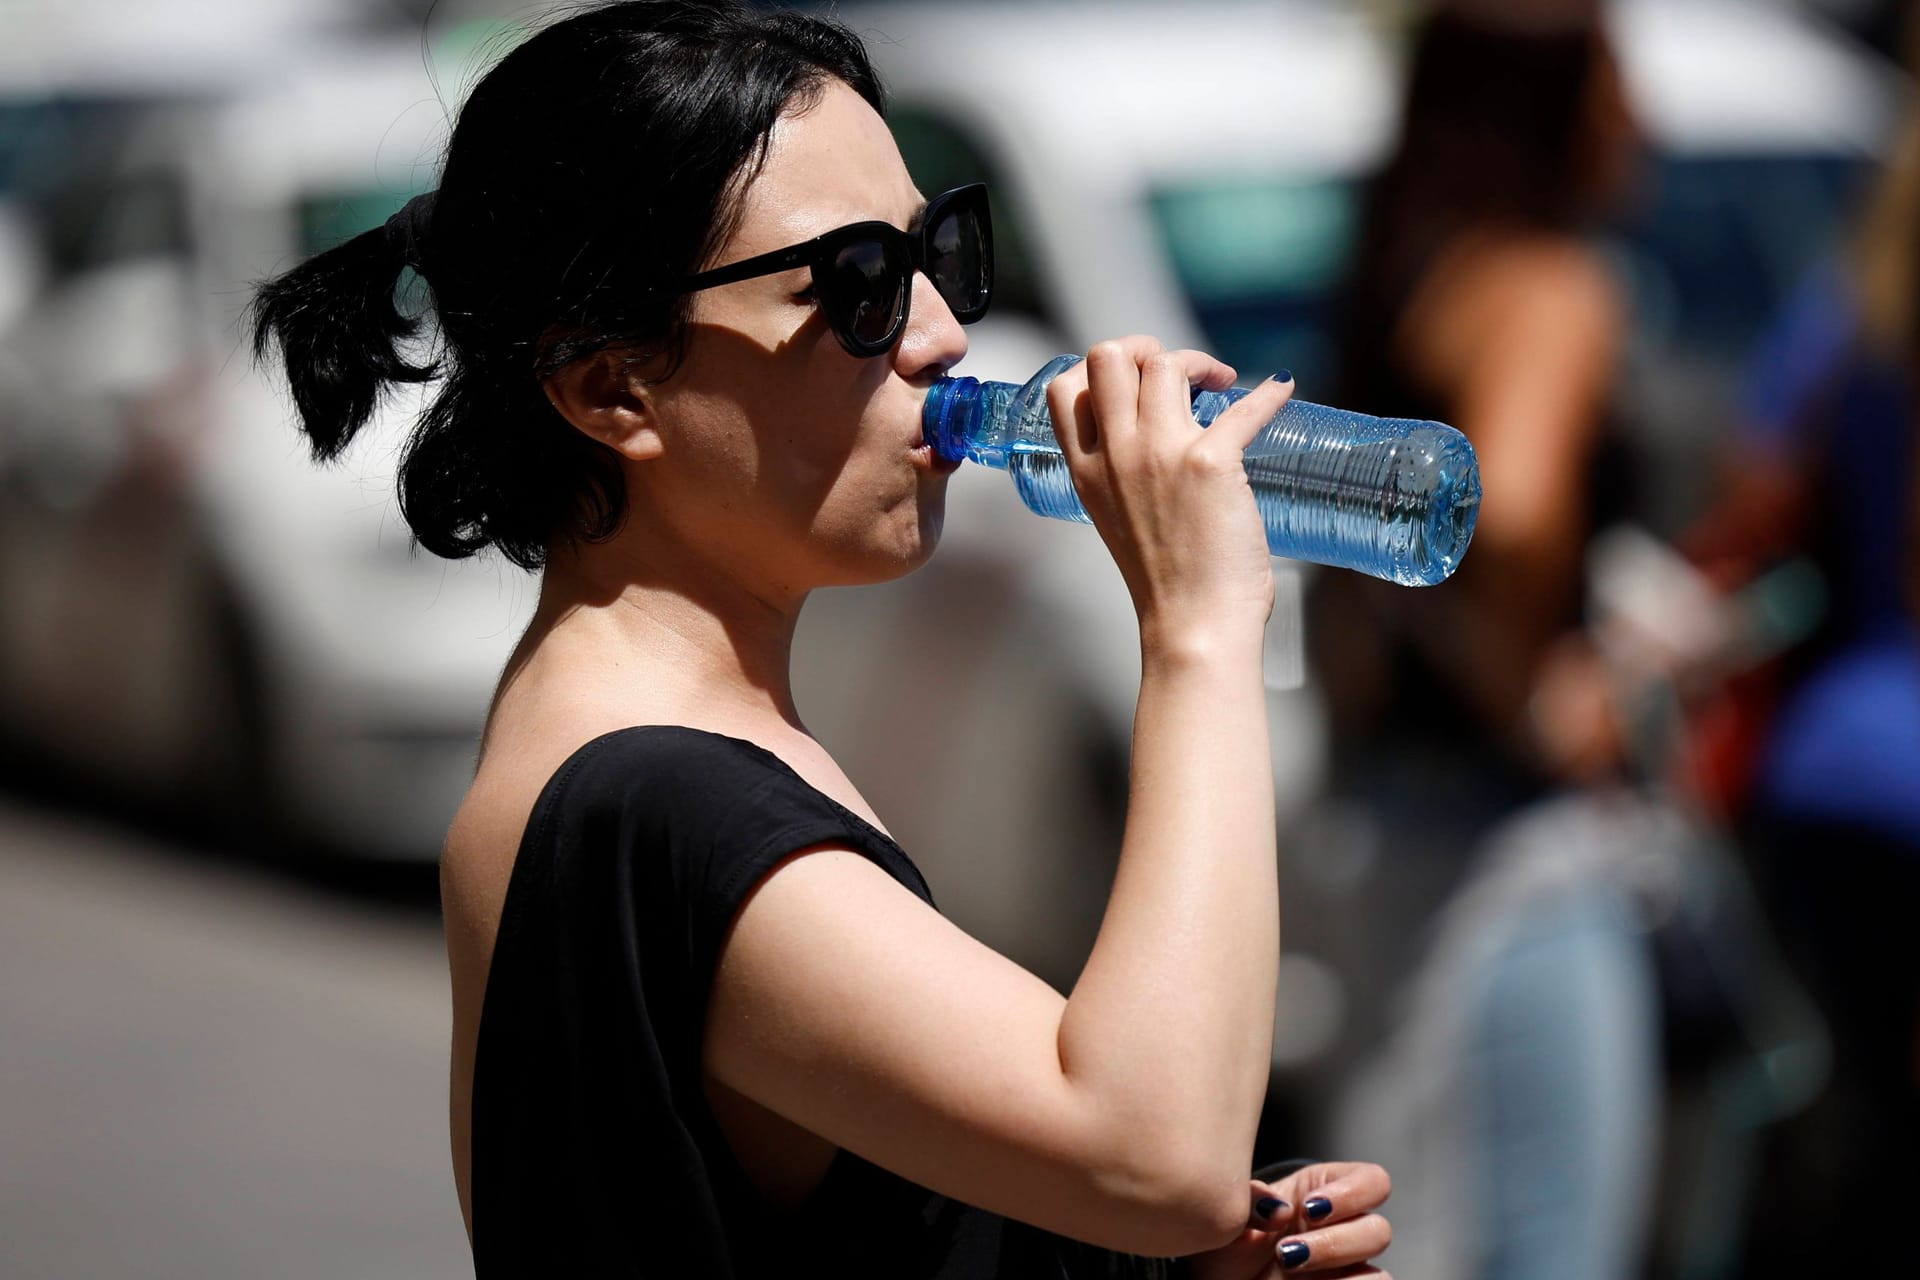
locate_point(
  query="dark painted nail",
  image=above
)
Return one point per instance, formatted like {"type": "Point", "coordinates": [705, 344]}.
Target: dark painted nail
{"type": "Point", "coordinates": [1293, 1253]}
{"type": "Point", "coordinates": [1285, 375]}
{"type": "Point", "coordinates": [1268, 1207]}
{"type": "Point", "coordinates": [1318, 1208]}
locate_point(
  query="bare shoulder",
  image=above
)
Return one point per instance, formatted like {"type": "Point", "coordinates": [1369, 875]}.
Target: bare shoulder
{"type": "Point", "coordinates": [1562, 277]}
{"type": "Point", "coordinates": [476, 861]}
{"type": "Point", "coordinates": [1512, 299]}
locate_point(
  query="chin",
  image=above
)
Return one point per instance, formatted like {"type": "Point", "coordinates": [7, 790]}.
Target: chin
{"type": "Point", "coordinates": [905, 560]}
{"type": "Point", "coordinates": [882, 544]}
{"type": "Point", "coordinates": [933, 518]}
{"type": "Point", "coordinates": [893, 559]}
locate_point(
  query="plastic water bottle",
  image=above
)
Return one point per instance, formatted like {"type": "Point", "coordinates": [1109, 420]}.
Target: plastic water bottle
{"type": "Point", "coordinates": [1391, 497]}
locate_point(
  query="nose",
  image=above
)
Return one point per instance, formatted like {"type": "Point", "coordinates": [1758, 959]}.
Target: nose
{"type": "Point", "coordinates": [934, 341]}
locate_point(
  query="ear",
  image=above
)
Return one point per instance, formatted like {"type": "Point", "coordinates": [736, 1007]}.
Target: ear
{"type": "Point", "coordinates": [604, 396]}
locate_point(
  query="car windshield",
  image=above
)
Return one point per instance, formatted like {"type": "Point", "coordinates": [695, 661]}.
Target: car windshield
{"type": "Point", "coordinates": [1259, 259]}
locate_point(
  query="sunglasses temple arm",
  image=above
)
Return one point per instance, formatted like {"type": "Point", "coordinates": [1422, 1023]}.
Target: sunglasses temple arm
{"type": "Point", "coordinates": [746, 269]}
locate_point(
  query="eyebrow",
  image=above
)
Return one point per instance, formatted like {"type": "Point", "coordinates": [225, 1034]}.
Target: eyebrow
{"type": "Point", "coordinates": [913, 221]}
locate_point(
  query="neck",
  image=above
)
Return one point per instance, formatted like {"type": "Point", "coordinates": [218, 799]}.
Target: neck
{"type": "Point", "coordinates": [679, 634]}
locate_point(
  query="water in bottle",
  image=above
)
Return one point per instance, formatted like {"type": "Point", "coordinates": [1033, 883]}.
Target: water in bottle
{"type": "Point", "coordinates": [1391, 497]}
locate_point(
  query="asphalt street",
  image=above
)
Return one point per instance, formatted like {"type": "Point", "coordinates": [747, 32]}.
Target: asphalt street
{"type": "Point", "coordinates": [207, 1070]}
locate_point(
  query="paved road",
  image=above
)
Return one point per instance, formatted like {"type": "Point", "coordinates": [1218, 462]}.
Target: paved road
{"type": "Point", "coordinates": [206, 1071]}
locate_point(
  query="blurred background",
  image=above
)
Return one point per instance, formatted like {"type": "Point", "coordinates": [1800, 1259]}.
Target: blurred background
{"type": "Point", "coordinates": [1599, 861]}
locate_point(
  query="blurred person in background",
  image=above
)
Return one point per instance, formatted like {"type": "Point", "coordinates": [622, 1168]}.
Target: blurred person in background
{"type": "Point", "coordinates": [689, 303]}
{"type": "Point", "coordinates": [1826, 468]}
{"type": "Point", "coordinates": [1478, 296]}
{"type": "Point", "coordinates": [1475, 297]}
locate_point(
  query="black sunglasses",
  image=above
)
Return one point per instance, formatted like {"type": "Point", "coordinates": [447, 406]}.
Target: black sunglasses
{"type": "Point", "coordinates": [863, 272]}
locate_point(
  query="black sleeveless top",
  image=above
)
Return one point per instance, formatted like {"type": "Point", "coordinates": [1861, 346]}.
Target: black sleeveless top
{"type": "Point", "coordinates": [594, 1151]}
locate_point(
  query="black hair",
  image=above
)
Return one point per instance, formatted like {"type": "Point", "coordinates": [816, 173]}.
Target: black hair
{"type": "Point", "coordinates": [600, 159]}
{"type": "Point", "coordinates": [1494, 135]}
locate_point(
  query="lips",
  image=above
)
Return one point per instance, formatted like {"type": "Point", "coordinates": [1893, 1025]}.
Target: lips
{"type": "Point", "coordinates": [924, 456]}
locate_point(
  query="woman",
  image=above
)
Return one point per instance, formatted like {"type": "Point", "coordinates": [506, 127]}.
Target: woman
{"type": "Point", "coordinates": [1477, 297]}
{"type": "Point", "coordinates": [707, 1021]}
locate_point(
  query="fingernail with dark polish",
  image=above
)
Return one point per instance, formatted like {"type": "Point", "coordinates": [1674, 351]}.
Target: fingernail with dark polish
{"type": "Point", "coordinates": [1293, 1253]}
{"type": "Point", "coordinates": [1268, 1207]}
{"type": "Point", "coordinates": [1285, 375]}
{"type": "Point", "coordinates": [1318, 1208]}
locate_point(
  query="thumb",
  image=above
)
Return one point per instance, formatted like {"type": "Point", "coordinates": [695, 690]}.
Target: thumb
{"type": "Point", "coordinates": [1267, 1209]}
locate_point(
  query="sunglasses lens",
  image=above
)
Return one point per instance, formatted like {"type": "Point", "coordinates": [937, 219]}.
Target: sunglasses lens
{"type": "Point", "coordinates": [960, 259]}
{"type": "Point", "coordinates": [869, 287]}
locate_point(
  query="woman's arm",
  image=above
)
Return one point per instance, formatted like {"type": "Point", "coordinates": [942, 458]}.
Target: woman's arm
{"type": "Point", "coordinates": [1123, 1115]}
{"type": "Point", "coordinates": [1171, 1022]}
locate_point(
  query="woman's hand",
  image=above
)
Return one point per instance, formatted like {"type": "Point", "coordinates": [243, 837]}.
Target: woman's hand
{"type": "Point", "coordinates": [1171, 499]}
{"type": "Point", "coordinates": [1325, 1225]}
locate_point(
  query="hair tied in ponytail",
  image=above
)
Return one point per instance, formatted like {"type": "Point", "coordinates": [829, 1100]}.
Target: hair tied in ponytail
{"type": "Point", "coordinates": [407, 228]}
{"type": "Point", "coordinates": [342, 340]}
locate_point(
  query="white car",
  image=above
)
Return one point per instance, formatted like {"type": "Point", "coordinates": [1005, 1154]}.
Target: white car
{"type": "Point", "coordinates": [193, 610]}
